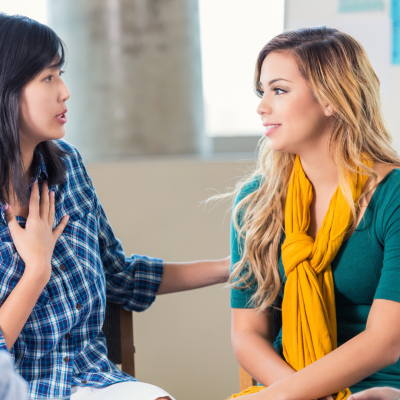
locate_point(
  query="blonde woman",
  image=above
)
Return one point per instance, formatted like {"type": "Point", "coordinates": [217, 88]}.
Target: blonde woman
{"type": "Point", "coordinates": [318, 222]}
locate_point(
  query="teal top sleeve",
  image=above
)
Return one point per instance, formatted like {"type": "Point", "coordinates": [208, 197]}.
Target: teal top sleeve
{"type": "Point", "coordinates": [388, 233]}
{"type": "Point", "coordinates": [241, 297]}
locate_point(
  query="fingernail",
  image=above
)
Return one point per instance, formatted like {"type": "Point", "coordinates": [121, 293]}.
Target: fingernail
{"type": "Point", "coordinates": [5, 206]}
{"type": "Point", "coordinates": [67, 217]}
{"type": "Point", "coordinates": [53, 194]}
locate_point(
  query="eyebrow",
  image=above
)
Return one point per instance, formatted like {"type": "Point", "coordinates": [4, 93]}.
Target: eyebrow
{"type": "Point", "coordinates": [278, 79]}
{"type": "Point", "coordinates": [275, 80]}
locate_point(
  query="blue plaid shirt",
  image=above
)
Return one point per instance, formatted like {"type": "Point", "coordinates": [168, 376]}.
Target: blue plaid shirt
{"type": "Point", "coordinates": [62, 343]}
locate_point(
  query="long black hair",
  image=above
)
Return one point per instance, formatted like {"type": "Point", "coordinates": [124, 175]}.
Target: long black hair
{"type": "Point", "coordinates": [27, 47]}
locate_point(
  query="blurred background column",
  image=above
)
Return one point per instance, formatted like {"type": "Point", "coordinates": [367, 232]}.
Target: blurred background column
{"type": "Point", "coordinates": [134, 72]}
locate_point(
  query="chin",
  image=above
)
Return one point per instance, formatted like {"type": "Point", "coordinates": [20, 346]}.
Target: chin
{"type": "Point", "coordinates": [278, 145]}
{"type": "Point", "coordinates": [57, 135]}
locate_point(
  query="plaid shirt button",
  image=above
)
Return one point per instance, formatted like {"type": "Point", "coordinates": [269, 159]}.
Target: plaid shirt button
{"type": "Point", "coordinates": [66, 359]}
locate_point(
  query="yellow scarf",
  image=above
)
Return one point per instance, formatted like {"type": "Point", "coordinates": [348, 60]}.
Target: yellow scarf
{"type": "Point", "coordinates": [308, 310]}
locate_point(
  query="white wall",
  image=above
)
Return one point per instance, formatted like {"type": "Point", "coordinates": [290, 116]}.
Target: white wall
{"type": "Point", "coordinates": [183, 340]}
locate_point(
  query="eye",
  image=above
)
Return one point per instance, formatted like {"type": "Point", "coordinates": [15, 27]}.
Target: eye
{"type": "Point", "coordinates": [259, 92]}
{"type": "Point", "coordinates": [48, 78]}
{"type": "Point", "coordinates": [279, 91]}
{"type": "Point", "coordinates": [61, 72]}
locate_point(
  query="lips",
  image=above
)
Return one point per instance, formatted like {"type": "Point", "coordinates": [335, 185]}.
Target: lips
{"type": "Point", "coordinates": [270, 127]}
{"type": "Point", "coordinates": [62, 118]}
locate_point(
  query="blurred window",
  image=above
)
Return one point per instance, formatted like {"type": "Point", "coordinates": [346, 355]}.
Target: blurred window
{"type": "Point", "coordinates": [35, 9]}
{"type": "Point", "coordinates": [232, 34]}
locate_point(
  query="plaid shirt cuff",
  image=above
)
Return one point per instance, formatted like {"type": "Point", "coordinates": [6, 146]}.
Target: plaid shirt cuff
{"type": "Point", "coordinates": [148, 275]}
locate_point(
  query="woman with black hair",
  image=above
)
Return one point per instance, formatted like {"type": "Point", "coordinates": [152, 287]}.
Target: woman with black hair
{"type": "Point", "coordinates": [59, 258]}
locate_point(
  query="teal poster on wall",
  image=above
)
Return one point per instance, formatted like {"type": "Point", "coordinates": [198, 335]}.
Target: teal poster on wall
{"type": "Point", "coordinates": [395, 11]}
{"type": "Point", "coordinates": [360, 5]}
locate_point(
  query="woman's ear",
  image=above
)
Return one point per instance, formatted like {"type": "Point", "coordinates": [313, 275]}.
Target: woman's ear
{"type": "Point", "coordinates": [329, 110]}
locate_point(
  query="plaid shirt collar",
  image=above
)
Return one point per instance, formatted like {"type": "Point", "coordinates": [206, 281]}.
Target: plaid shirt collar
{"type": "Point", "coordinates": [40, 171]}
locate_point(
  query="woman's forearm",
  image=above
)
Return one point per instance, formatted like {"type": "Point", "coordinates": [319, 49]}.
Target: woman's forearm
{"type": "Point", "coordinates": [16, 309]}
{"type": "Point", "coordinates": [355, 360]}
{"type": "Point", "coordinates": [259, 358]}
{"type": "Point", "coordinates": [182, 276]}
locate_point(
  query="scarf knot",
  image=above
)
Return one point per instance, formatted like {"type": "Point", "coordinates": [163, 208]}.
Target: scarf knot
{"type": "Point", "coordinates": [296, 248]}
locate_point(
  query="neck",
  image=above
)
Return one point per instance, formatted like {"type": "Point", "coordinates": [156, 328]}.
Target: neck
{"type": "Point", "coordinates": [321, 171]}
{"type": "Point", "coordinates": [27, 151]}
{"type": "Point", "coordinates": [318, 166]}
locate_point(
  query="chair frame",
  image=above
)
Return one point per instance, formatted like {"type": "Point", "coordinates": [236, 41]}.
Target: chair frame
{"type": "Point", "coordinates": [245, 379]}
{"type": "Point", "coordinates": [118, 330]}
{"type": "Point", "coordinates": [127, 341]}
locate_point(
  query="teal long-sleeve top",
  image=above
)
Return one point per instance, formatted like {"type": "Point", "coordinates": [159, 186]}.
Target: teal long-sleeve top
{"type": "Point", "coordinates": [367, 267]}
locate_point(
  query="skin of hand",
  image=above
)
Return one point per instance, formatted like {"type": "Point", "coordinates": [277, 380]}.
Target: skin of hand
{"type": "Point", "coordinates": [226, 262]}
{"type": "Point", "coordinates": [35, 243]}
{"type": "Point", "coordinates": [377, 393]}
{"type": "Point", "coordinates": [178, 277]}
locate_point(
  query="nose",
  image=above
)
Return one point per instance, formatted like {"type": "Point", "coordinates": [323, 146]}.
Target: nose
{"type": "Point", "coordinates": [264, 107]}
{"type": "Point", "coordinates": [64, 92]}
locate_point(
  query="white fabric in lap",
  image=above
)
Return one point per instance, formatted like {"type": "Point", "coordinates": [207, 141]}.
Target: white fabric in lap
{"type": "Point", "coordinates": [120, 391]}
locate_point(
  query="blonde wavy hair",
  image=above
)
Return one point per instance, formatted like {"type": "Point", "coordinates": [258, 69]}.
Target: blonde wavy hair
{"type": "Point", "coordinates": [339, 73]}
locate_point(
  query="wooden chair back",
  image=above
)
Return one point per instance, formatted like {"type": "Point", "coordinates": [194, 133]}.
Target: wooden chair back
{"type": "Point", "coordinates": [118, 330]}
